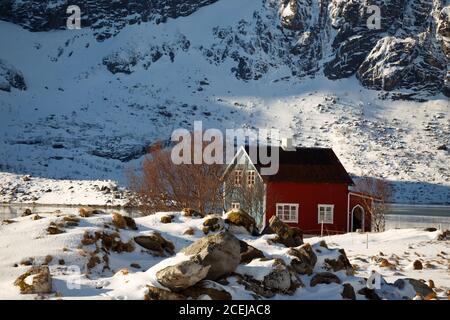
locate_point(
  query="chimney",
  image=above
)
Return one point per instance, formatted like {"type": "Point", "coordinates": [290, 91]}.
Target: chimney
{"type": "Point", "coordinates": [286, 144]}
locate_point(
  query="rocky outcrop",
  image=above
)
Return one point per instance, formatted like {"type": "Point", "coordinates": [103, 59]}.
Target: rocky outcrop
{"type": "Point", "coordinates": [10, 77]}
{"type": "Point", "coordinates": [104, 17]}
{"type": "Point", "coordinates": [36, 280]}
{"type": "Point", "coordinates": [405, 52]}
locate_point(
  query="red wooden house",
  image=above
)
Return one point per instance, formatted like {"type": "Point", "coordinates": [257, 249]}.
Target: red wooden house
{"type": "Point", "coordinates": [311, 190]}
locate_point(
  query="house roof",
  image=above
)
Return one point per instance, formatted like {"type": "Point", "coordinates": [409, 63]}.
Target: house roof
{"type": "Point", "coordinates": [312, 165]}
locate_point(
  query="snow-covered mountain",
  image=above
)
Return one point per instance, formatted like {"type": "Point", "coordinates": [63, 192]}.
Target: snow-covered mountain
{"type": "Point", "coordinates": [85, 103]}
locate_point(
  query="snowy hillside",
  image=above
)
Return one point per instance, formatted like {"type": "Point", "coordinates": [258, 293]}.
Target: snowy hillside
{"type": "Point", "coordinates": [85, 104]}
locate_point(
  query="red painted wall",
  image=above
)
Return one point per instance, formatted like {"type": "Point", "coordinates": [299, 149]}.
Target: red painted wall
{"type": "Point", "coordinates": [309, 196]}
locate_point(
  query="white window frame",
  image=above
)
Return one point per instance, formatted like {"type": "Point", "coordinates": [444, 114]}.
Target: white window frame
{"type": "Point", "coordinates": [251, 178]}
{"type": "Point", "coordinates": [235, 206]}
{"type": "Point", "coordinates": [325, 206]}
{"type": "Point", "coordinates": [281, 215]}
{"type": "Point", "coordinates": [238, 173]}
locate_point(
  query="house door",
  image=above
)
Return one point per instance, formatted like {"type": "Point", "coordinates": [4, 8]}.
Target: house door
{"type": "Point", "coordinates": [357, 218]}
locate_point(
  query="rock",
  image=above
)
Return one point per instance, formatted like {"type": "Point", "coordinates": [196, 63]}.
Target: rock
{"type": "Point", "coordinates": [47, 259]}
{"type": "Point", "coordinates": [112, 241]}
{"type": "Point", "coordinates": [182, 275]}
{"type": "Point", "coordinates": [88, 212]}
{"type": "Point", "coordinates": [430, 229]}
{"type": "Point", "coordinates": [131, 224]}
{"type": "Point", "coordinates": [155, 293]}
{"type": "Point", "coordinates": [27, 212]}
{"type": "Point", "coordinates": [323, 244]}
{"type": "Point", "coordinates": [207, 288]}
{"type": "Point", "coordinates": [442, 147]}
{"type": "Point", "coordinates": [445, 235]}
{"type": "Point", "coordinates": [341, 263]}
{"type": "Point", "coordinates": [305, 259]}
{"type": "Point", "coordinates": [393, 64]}
{"type": "Point", "coordinates": [54, 230]}
{"type": "Point", "coordinates": [119, 221]}
{"type": "Point", "coordinates": [220, 251]}
{"type": "Point", "coordinates": [156, 243]}
{"type": "Point", "coordinates": [27, 261]}
{"type": "Point", "coordinates": [189, 231]}
{"type": "Point", "coordinates": [36, 280]}
{"type": "Point", "coordinates": [167, 219]}
{"type": "Point", "coordinates": [188, 212]}
{"type": "Point", "coordinates": [7, 221]}
{"type": "Point", "coordinates": [36, 217]}
{"type": "Point", "coordinates": [418, 286]}
{"type": "Point", "coordinates": [248, 253]}
{"type": "Point", "coordinates": [241, 218]}
{"type": "Point", "coordinates": [417, 265]}
{"type": "Point", "coordinates": [324, 278]}
{"type": "Point", "coordinates": [61, 262]}
{"type": "Point", "coordinates": [384, 263]}
{"type": "Point", "coordinates": [370, 294]}
{"type": "Point", "coordinates": [290, 237]}
{"type": "Point", "coordinates": [135, 265]}
{"type": "Point", "coordinates": [348, 292]}
{"type": "Point", "coordinates": [93, 261]}
{"type": "Point", "coordinates": [10, 77]}
{"type": "Point", "coordinates": [279, 279]}
{"type": "Point", "coordinates": [212, 223]}
{"type": "Point", "coordinates": [431, 284]}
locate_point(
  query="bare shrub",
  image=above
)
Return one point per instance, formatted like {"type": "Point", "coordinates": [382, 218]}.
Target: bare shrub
{"type": "Point", "coordinates": [165, 186]}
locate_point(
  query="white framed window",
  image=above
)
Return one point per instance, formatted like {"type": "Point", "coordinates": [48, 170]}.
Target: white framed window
{"type": "Point", "coordinates": [235, 206]}
{"type": "Point", "coordinates": [287, 212]}
{"type": "Point", "coordinates": [238, 177]}
{"type": "Point", "coordinates": [251, 178]}
{"type": "Point", "coordinates": [325, 213]}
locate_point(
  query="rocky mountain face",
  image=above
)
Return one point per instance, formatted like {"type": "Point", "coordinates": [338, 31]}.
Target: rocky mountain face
{"type": "Point", "coordinates": [403, 50]}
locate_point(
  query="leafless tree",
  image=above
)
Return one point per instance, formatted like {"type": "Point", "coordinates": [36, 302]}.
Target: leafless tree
{"type": "Point", "coordinates": [164, 186]}
{"type": "Point", "coordinates": [381, 191]}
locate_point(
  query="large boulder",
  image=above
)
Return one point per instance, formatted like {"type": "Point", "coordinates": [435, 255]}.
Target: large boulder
{"type": "Point", "coordinates": [156, 243]}
{"type": "Point", "coordinates": [36, 280]}
{"type": "Point", "coordinates": [289, 236]}
{"type": "Point", "coordinates": [304, 259]}
{"type": "Point", "coordinates": [240, 218]}
{"type": "Point", "coordinates": [248, 253]}
{"type": "Point", "coordinates": [220, 251]}
{"type": "Point", "coordinates": [182, 275]}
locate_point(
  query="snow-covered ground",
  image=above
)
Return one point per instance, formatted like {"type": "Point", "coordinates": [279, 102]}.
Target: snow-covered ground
{"type": "Point", "coordinates": [24, 238]}
{"type": "Point", "coordinates": [42, 191]}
